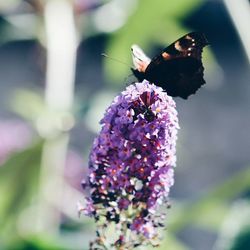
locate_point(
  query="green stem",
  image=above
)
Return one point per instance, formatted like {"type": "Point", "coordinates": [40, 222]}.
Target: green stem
{"type": "Point", "coordinates": [61, 56]}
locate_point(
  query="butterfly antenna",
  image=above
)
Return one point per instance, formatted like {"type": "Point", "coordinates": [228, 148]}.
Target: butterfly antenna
{"type": "Point", "coordinates": [114, 59]}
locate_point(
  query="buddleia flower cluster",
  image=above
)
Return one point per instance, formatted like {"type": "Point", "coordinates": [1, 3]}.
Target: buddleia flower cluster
{"type": "Point", "coordinates": [131, 168]}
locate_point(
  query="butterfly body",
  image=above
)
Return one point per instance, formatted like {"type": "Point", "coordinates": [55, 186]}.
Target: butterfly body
{"type": "Point", "coordinates": [177, 69]}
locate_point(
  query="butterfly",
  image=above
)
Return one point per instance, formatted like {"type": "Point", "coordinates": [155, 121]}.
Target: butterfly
{"type": "Point", "coordinates": [177, 69]}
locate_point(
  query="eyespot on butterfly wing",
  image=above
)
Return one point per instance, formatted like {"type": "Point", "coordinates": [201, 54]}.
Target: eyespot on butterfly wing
{"type": "Point", "coordinates": [178, 69]}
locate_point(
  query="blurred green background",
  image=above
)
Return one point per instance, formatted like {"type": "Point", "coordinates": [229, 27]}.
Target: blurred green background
{"type": "Point", "coordinates": [55, 86]}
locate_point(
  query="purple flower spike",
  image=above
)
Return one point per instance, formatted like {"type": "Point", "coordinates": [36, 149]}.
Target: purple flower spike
{"type": "Point", "coordinates": [131, 166]}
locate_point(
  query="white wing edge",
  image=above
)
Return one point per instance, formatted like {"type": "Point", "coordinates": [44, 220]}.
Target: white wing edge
{"type": "Point", "coordinates": [140, 60]}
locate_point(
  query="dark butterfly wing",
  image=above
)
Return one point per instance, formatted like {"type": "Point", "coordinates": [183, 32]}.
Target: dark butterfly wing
{"type": "Point", "coordinates": [178, 69]}
{"type": "Point", "coordinates": [189, 45]}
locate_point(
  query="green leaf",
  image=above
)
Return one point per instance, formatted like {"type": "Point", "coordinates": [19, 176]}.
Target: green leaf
{"type": "Point", "coordinates": [19, 182]}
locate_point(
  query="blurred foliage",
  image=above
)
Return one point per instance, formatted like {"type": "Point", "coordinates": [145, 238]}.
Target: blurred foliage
{"type": "Point", "coordinates": [149, 24]}
{"type": "Point", "coordinates": [210, 210]}
{"type": "Point", "coordinates": [22, 27]}
{"type": "Point", "coordinates": [36, 244]}
{"type": "Point", "coordinates": [242, 240]}
{"type": "Point", "coordinates": [97, 107]}
{"type": "Point", "coordinates": [28, 104]}
{"type": "Point", "coordinates": [171, 242]}
{"type": "Point", "coordinates": [19, 185]}
{"type": "Point", "coordinates": [235, 230]}
{"type": "Point", "coordinates": [6, 5]}
{"type": "Point", "coordinates": [19, 27]}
